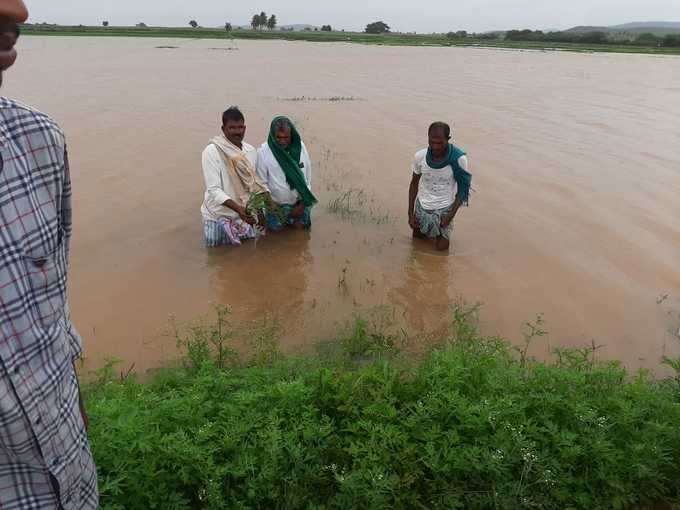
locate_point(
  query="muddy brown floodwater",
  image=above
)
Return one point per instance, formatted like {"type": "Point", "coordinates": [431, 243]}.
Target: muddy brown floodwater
{"type": "Point", "coordinates": [575, 215]}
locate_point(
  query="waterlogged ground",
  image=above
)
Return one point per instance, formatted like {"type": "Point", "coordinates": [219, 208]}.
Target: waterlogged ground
{"type": "Point", "coordinates": [575, 213]}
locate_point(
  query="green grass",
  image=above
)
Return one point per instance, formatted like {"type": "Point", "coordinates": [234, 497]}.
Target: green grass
{"type": "Point", "coordinates": [475, 424]}
{"type": "Point", "coordinates": [355, 37]}
{"type": "Point", "coordinates": [355, 206]}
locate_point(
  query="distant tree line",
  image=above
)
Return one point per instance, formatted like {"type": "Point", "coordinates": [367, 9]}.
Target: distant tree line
{"type": "Point", "coordinates": [565, 37]}
{"type": "Point", "coordinates": [671, 40]}
{"type": "Point", "coordinates": [261, 21]}
{"type": "Point", "coordinates": [668, 41]}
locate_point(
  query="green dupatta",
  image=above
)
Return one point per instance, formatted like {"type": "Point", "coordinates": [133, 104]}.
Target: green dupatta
{"type": "Point", "coordinates": [289, 160]}
{"type": "Point", "coordinates": [462, 177]}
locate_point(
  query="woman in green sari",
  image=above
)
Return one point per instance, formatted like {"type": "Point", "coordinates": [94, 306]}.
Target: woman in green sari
{"type": "Point", "coordinates": [285, 167]}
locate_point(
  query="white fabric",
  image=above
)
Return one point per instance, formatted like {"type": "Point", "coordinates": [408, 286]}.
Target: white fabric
{"type": "Point", "coordinates": [271, 173]}
{"type": "Point", "coordinates": [437, 187]}
{"type": "Point", "coordinates": [218, 188]}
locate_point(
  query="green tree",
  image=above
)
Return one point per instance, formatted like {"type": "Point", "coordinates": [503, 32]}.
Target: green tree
{"type": "Point", "coordinates": [326, 28]}
{"type": "Point", "coordinates": [271, 22]}
{"type": "Point", "coordinates": [647, 40]}
{"type": "Point", "coordinates": [262, 20]}
{"type": "Point", "coordinates": [524, 35]}
{"type": "Point", "coordinates": [377, 27]}
{"type": "Point", "coordinates": [671, 41]}
{"type": "Point", "coordinates": [594, 38]}
{"type": "Point", "coordinates": [228, 27]}
{"type": "Point", "coordinates": [255, 23]}
{"type": "Point", "coordinates": [105, 23]}
{"type": "Point", "coordinates": [193, 23]}
{"type": "Point", "coordinates": [460, 34]}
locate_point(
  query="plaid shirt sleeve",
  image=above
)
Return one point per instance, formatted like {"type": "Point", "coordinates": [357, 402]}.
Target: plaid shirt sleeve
{"type": "Point", "coordinates": [45, 460]}
{"type": "Point", "coordinates": [66, 227]}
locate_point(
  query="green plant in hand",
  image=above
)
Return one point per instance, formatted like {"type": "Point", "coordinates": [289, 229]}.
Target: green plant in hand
{"type": "Point", "coordinates": [260, 204]}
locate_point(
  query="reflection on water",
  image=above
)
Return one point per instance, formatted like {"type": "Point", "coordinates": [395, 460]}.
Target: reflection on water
{"type": "Point", "coordinates": [424, 290]}
{"type": "Point", "coordinates": [576, 170]}
{"type": "Point", "coordinates": [274, 286]}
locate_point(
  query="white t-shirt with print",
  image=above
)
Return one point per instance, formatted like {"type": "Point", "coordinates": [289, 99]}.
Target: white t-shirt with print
{"type": "Point", "coordinates": [437, 188]}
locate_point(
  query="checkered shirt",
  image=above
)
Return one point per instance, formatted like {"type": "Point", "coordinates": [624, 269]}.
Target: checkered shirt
{"type": "Point", "coordinates": [45, 460]}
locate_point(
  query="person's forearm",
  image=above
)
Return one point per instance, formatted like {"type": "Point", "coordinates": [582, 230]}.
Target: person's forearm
{"type": "Point", "coordinates": [454, 208]}
{"type": "Point", "coordinates": [412, 194]}
{"type": "Point", "coordinates": [81, 405]}
{"type": "Point", "coordinates": [241, 211]}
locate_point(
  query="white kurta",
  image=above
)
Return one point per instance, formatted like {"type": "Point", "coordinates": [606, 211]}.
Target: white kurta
{"type": "Point", "coordinates": [218, 187]}
{"type": "Point", "coordinates": [271, 173]}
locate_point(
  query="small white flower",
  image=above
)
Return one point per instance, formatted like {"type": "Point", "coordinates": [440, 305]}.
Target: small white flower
{"type": "Point", "coordinates": [547, 477]}
{"type": "Point", "coordinates": [528, 456]}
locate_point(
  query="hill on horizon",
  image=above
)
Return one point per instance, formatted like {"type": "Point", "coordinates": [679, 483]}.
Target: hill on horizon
{"type": "Point", "coordinates": [635, 27]}
{"type": "Point", "coordinates": [650, 24]}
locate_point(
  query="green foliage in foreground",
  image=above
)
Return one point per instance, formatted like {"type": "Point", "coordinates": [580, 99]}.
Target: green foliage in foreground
{"type": "Point", "coordinates": [473, 425]}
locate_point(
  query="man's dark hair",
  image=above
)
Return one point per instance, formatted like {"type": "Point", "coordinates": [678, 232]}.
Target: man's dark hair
{"type": "Point", "coordinates": [440, 125]}
{"type": "Point", "coordinates": [232, 113]}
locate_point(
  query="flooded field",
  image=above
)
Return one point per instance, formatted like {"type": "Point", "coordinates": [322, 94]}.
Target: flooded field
{"type": "Point", "coordinates": [575, 215]}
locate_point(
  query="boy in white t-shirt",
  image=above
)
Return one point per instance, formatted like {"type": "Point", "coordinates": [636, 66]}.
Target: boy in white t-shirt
{"type": "Point", "coordinates": [439, 186]}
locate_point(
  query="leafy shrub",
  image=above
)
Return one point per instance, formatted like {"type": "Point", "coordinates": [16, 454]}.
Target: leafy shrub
{"type": "Point", "coordinates": [473, 426]}
{"type": "Point", "coordinates": [363, 340]}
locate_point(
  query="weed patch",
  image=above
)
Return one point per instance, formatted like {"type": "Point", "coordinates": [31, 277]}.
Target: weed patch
{"type": "Point", "coordinates": [356, 206]}
{"type": "Point", "coordinates": [330, 99]}
{"type": "Point", "coordinates": [475, 425]}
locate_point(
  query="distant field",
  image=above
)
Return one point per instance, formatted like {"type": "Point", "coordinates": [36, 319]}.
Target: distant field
{"type": "Point", "coordinates": [355, 37]}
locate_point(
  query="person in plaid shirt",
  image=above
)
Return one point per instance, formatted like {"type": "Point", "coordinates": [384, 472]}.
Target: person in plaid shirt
{"type": "Point", "coordinates": [45, 460]}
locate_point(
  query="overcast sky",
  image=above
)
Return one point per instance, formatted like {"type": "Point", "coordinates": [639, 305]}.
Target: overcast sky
{"type": "Point", "coordinates": [415, 15]}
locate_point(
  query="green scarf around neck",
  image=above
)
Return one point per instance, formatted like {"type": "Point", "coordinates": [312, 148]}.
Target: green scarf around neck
{"type": "Point", "coordinates": [289, 160]}
{"type": "Point", "coordinates": [462, 177]}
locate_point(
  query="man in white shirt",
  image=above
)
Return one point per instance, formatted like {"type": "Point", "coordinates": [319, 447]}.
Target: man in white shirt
{"type": "Point", "coordinates": [284, 165]}
{"type": "Point", "coordinates": [440, 184]}
{"type": "Point", "coordinates": [229, 171]}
